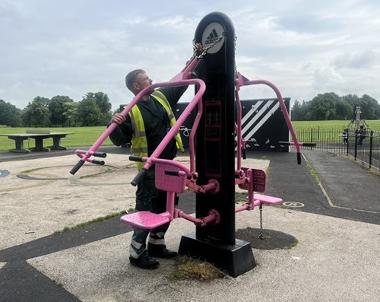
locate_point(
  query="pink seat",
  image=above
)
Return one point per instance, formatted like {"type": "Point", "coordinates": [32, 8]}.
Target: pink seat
{"type": "Point", "coordinates": [265, 199]}
{"type": "Point", "coordinates": [145, 219]}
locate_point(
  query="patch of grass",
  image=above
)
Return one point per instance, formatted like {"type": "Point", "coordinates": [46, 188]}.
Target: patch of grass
{"type": "Point", "coordinates": [194, 269]}
{"type": "Point", "coordinates": [99, 219]}
{"type": "Point", "coordinates": [130, 210]}
{"type": "Point", "coordinates": [312, 171]}
{"type": "Point", "coordinates": [240, 197]}
{"type": "Point", "coordinates": [341, 124]}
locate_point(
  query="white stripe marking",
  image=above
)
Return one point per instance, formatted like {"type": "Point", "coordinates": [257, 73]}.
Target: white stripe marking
{"type": "Point", "coordinates": [256, 117]}
{"type": "Point", "coordinates": [262, 121]}
{"type": "Point", "coordinates": [250, 112]}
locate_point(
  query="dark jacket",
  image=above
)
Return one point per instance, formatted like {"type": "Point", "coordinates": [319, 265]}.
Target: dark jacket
{"type": "Point", "coordinates": [156, 123]}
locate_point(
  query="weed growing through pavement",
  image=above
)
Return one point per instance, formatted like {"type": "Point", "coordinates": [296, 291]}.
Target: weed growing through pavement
{"type": "Point", "coordinates": [195, 269]}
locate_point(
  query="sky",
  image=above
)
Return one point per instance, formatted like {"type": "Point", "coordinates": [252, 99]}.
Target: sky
{"type": "Point", "coordinates": [72, 47]}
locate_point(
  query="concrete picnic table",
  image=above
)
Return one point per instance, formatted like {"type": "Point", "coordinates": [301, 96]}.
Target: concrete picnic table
{"type": "Point", "coordinates": [38, 138]}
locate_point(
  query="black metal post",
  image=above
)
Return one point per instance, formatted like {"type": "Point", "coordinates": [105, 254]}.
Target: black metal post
{"type": "Point", "coordinates": [356, 143]}
{"type": "Point", "coordinates": [370, 148]}
{"type": "Point", "coordinates": [311, 137]}
{"type": "Point", "coordinates": [318, 134]}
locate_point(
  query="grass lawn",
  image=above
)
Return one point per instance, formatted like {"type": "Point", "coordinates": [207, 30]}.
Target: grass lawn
{"type": "Point", "coordinates": [86, 136]}
{"type": "Point", "coordinates": [373, 124]}
{"type": "Point", "coordinates": [79, 137]}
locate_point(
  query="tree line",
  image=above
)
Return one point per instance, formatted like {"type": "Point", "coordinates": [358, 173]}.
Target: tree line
{"type": "Point", "coordinates": [59, 111]}
{"type": "Point", "coordinates": [330, 106]}
{"type": "Point", "coordinates": [95, 110]}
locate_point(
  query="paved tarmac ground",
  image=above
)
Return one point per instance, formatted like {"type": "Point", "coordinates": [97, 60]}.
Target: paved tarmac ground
{"type": "Point", "coordinates": [309, 253]}
{"type": "Point", "coordinates": [341, 187]}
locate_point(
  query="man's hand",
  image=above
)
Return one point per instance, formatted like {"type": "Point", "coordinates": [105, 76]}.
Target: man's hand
{"type": "Point", "coordinates": [118, 118]}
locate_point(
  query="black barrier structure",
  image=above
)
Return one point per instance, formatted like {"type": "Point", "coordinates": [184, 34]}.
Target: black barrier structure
{"type": "Point", "coordinates": [263, 124]}
{"type": "Point", "coordinates": [215, 152]}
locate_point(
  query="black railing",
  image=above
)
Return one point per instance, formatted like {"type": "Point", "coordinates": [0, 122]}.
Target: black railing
{"type": "Point", "coordinates": [362, 146]}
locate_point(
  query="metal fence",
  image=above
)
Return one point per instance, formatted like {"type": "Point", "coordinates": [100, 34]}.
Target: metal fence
{"type": "Point", "coordinates": [364, 147]}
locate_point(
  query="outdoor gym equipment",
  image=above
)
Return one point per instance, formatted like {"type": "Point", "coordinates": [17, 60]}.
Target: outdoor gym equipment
{"type": "Point", "coordinates": [212, 174]}
{"type": "Point", "coordinates": [357, 122]}
{"type": "Point", "coordinates": [357, 128]}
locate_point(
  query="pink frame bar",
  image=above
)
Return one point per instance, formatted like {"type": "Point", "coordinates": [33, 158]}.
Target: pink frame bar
{"type": "Point", "coordinates": [238, 132]}
{"type": "Point", "coordinates": [171, 211]}
{"type": "Point", "coordinates": [198, 96]}
{"type": "Point", "coordinates": [197, 100]}
{"type": "Point", "coordinates": [169, 161]}
{"type": "Point", "coordinates": [243, 81]}
{"type": "Point", "coordinates": [187, 70]}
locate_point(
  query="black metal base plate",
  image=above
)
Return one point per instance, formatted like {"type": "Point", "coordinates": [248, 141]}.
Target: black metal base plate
{"type": "Point", "coordinates": [234, 259]}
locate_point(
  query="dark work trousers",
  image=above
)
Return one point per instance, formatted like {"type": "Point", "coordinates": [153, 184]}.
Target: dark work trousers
{"type": "Point", "coordinates": [148, 198]}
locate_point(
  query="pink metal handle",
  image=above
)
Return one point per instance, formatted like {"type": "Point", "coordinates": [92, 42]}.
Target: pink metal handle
{"type": "Point", "coordinates": [173, 130]}
{"type": "Point", "coordinates": [169, 162]}
{"type": "Point", "coordinates": [243, 81]}
{"type": "Point", "coordinates": [85, 156]}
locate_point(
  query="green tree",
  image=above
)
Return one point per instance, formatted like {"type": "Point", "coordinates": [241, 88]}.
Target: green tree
{"type": "Point", "coordinates": [368, 106]}
{"type": "Point", "coordinates": [36, 113]}
{"type": "Point", "coordinates": [94, 109]}
{"type": "Point", "coordinates": [57, 110]}
{"type": "Point", "coordinates": [343, 110]}
{"type": "Point", "coordinates": [103, 101]}
{"type": "Point", "coordinates": [88, 113]}
{"type": "Point", "coordinates": [323, 106]}
{"type": "Point", "coordinates": [296, 111]}
{"type": "Point", "coordinates": [70, 114]}
{"type": "Point", "coordinates": [352, 99]}
{"type": "Point", "coordinates": [9, 114]}
{"type": "Point", "coordinates": [328, 106]}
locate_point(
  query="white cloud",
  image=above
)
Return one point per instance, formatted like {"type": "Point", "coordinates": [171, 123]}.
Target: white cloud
{"type": "Point", "coordinates": [362, 59]}
{"type": "Point", "coordinates": [73, 47]}
{"type": "Point", "coordinates": [327, 79]}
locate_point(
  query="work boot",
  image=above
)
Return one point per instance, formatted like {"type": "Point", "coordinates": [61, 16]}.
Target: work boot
{"type": "Point", "coordinates": [160, 251]}
{"type": "Point", "coordinates": [144, 261]}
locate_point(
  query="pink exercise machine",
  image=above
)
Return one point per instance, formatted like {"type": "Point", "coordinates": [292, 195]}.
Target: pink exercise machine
{"type": "Point", "coordinates": [212, 173]}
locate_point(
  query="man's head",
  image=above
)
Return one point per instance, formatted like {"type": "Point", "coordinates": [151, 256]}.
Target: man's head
{"type": "Point", "coordinates": [137, 80]}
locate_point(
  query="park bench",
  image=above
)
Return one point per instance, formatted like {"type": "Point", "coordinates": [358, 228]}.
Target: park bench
{"type": "Point", "coordinates": [38, 136]}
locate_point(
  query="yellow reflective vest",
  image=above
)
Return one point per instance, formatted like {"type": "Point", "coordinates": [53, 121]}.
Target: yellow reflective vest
{"type": "Point", "coordinates": [139, 141]}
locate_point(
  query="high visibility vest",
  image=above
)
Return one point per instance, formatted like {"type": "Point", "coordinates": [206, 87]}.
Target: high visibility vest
{"type": "Point", "coordinates": [139, 141]}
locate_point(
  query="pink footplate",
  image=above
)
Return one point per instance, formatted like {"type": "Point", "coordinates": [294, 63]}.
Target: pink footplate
{"type": "Point", "coordinates": [145, 220]}
{"type": "Point", "coordinates": [265, 199]}
{"type": "Point", "coordinates": [166, 180]}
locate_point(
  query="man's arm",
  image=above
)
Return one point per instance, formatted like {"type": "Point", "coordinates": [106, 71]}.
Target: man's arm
{"type": "Point", "coordinates": [123, 133]}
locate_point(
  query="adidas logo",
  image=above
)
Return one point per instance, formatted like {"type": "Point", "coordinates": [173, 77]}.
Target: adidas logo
{"type": "Point", "coordinates": [212, 37]}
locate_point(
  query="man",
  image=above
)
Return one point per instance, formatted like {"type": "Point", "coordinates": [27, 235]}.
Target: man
{"type": "Point", "coordinates": [145, 127]}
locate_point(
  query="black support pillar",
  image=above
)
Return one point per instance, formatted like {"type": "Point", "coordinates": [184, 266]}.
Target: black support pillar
{"type": "Point", "coordinates": [215, 152]}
